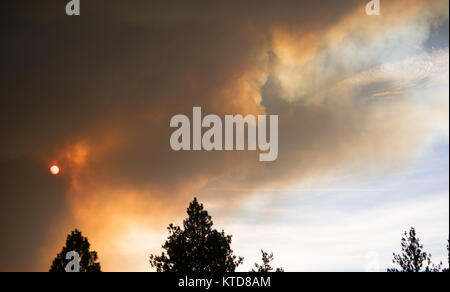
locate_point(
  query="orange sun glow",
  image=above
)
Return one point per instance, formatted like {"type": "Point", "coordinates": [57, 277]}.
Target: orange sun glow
{"type": "Point", "coordinates": [54, 169]}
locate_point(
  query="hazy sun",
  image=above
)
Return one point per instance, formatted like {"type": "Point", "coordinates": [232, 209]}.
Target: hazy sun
{"type": "Point", "coordinates": [54, 169]}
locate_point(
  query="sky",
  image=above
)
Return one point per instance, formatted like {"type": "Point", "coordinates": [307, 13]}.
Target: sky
{"type": "Point", "coordinates": [363, 106]}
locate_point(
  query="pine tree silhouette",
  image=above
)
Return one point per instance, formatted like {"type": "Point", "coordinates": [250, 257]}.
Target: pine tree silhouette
{"type": "Point", "coordinates": [413, 258]}
{"type": "Point", "coordinates": [196, 247]}
{"type": "Point", "coordinates": [76, 242]}
{"type": "Point", "coordinates": [265, 267]}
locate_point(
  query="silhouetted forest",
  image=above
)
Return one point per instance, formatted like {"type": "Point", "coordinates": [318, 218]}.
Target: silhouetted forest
{"type": "Point", "coordinates": [198, 247]}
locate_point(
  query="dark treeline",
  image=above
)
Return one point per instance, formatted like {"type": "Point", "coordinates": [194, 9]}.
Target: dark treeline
{"type": "Point", "coordinates": [198, 247]}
